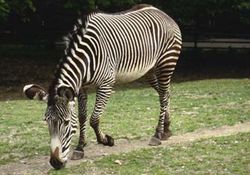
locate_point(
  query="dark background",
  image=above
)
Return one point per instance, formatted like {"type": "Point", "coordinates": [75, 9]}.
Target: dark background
{"type": "Point", "coordinates": [42, 22]}
{"type": "Point", "coordinates": [31, 34]}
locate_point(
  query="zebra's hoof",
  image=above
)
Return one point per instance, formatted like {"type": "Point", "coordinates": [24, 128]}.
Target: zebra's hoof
{"type": "Point", "coordinates": [166, 135]}
{"type": "Point", "coordinates": [109, 141]}
{"type": "Point", "coordinates": [76, 155]}
{"type": "Point", "coordinates": [154, 141]}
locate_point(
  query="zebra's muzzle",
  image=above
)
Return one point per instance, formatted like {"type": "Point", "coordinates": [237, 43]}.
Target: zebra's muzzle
{"type": "Point", "coordinates": [54, 160]}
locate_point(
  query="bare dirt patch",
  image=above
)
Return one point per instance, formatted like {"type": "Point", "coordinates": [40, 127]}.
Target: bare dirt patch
{"type": "Point", "coordinates": [40, 165]}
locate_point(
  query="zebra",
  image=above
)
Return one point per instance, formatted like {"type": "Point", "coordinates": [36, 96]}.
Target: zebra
{"type": "Point", "coordinates": [101, 51]}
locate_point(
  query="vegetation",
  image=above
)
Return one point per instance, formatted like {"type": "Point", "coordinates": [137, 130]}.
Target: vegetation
{"type": "Point", "coordinates": [224, 155]}
{"type": "Point", "coordinates": [35, 21]}
{"type": "Point", "coordinates": [132, 112]}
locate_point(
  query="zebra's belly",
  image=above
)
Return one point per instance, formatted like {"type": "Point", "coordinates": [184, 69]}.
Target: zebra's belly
{"type": "Point", "coordinates": [125, 77]}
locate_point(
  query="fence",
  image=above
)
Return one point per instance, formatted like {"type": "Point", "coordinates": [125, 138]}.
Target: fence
{"type": "Point", "coordinates": [216, 43]}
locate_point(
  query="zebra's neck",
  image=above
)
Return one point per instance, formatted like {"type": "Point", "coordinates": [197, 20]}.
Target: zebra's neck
{"type": "Point", "coordinates": [76, 68]}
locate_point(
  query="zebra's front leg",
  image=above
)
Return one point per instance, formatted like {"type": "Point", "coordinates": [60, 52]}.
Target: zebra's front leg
{"type": "Point", "coordinates": [102, 96]}
{"type": "Point", "coordinates": [78, 153]}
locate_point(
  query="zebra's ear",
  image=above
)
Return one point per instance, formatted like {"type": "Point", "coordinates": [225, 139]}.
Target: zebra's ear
{"type": "Point", "coordinates": [35, 92]}
{"type": "Point", "coordinates": [66, 92]}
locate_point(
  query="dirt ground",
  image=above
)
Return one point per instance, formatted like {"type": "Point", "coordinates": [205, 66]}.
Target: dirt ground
{"type": "Point", "coordinates": [40, 165]}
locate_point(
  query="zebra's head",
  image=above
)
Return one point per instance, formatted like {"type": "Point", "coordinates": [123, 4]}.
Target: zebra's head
{"type": "Point", "coordinates": [60, 116]}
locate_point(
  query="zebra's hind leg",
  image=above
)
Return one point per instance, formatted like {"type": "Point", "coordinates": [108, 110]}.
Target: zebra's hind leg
{"type": "Point", "coordinates": [102, 96]}
{"type": "Point", "coordinates": [78, 152]}
{"type": "Point", "coordinates": [162, 75]}
{"type": "Point", "coordinates": [162, 130]}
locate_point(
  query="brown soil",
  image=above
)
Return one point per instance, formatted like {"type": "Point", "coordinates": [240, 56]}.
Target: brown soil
{"type": "Point", "coordinates": [40, 165]}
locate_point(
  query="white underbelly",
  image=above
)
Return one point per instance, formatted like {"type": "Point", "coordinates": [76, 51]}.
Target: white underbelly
{"type": "Point", "coordinates": [125, 77]}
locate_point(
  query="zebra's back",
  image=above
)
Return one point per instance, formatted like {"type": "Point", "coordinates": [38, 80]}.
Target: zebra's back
{"type": "Point", "coordinates": [133, 41]}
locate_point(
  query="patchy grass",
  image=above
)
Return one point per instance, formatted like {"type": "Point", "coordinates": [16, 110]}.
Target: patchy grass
{"type": "Point", "coordinates": [210, 103]}
{"type": "Point", "coordinates": [224, 155]}
{"type": "Point", "coordinates": [23, 133]}
{"type": "Point", "coordinates": [130, 113]}
{"type": "Point", "coordinates": [199, 104]}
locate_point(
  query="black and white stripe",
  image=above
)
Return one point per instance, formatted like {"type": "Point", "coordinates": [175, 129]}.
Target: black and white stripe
{"type": "Point", "coordinates": [112, 48]}
{"type": "Point", "coordinates": [62, 123]}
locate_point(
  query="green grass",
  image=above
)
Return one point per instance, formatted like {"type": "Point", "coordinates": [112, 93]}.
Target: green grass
{"type": "Point", "coordinates": [224, 155]}
{"type": "Point", "coordinates": [210, 103]}
{"type": "Point", "coordinates": [194, 105]}
{"type": "Point", "coordinates": [130, 113]}
{"type": "Point", "coordinates": [23, 133]}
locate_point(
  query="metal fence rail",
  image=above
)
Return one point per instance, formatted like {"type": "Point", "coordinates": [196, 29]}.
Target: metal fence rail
{"type": "Point", "coordinates": [218, 43]}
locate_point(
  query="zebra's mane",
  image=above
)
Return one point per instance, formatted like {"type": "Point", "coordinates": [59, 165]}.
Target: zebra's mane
{"type": "Point", "coordinates": [79, 28]}
{"type": "Point", "coordinates": [80, 25]}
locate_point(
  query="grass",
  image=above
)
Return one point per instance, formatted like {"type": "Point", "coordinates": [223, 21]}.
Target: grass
{"type": "Point", "coordinates": [210, 103]}
{"type": "Point", "coordinates": [23, 133]}
{"type": "Point", "coordinates": [130, 113]}
{"type": "Point", "coordinates": [224, 155]}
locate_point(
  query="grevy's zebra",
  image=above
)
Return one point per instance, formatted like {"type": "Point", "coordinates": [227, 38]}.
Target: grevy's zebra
{"type": "Point", "coordinates": [110, 48]}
